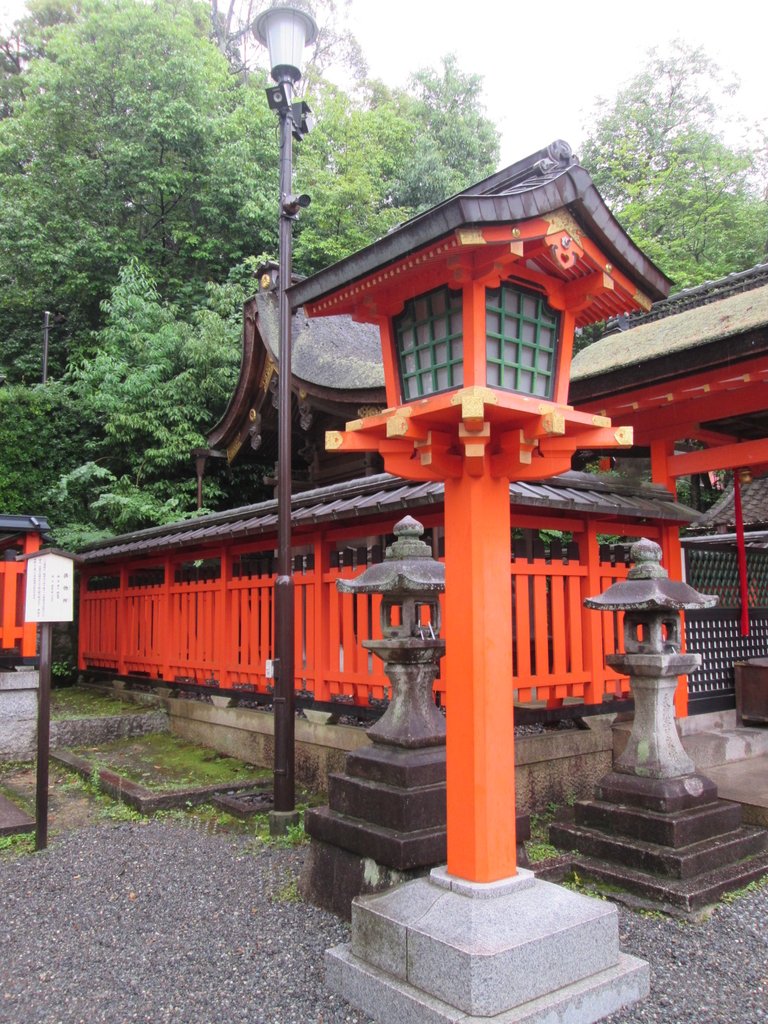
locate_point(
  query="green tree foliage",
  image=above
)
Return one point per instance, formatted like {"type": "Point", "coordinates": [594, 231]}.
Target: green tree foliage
{"type": "Point", "coordinates": [152, 387]}
{"type": "Point", "coordinates": [138, 176]}
{"type": "Point", "coordinates": [454, 144]}
{"type": "Point", "coordinates": [132, 139]}
{"type": "Point", "coordinates": [376, 161]}
{"type": "Point", "coordinates": [41, 435]}
{"type": "Point", "coordinates": [349, 165]}
{"type": "Point", "coordinates": [688, 199]}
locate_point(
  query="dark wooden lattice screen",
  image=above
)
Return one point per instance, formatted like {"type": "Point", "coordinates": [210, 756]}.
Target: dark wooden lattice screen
{"type": "Point", "coordinates": [715, 634]}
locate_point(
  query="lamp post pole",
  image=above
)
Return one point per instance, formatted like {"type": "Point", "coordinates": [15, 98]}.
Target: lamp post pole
{"type": "Point", "coordinates": [284, 698]}
{"type": "Point", "coordinates": [285, 31]}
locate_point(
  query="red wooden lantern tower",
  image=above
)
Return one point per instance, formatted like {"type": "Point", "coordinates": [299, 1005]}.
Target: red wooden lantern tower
{"type": "Point", "coordinates": [477, 302]}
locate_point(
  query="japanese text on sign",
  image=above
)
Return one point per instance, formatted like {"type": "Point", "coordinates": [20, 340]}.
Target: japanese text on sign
{"type": "Point", "coordinates": [50, 589]}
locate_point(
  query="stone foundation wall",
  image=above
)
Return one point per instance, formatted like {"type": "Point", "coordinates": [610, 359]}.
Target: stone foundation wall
{"type": "Point", "coordinates": [554, 767]}
{"type": "Point", "coordinates": [562, 765]}
{"type": "Point", "coordinates": [83, 732]}
{"type": "Point", "coordinates": [18, 715]}
{"type": "Point", "coordinates": [248, 735]}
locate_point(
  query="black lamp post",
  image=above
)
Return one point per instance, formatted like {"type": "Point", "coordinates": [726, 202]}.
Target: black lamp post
{"type": "Point", "coordinates": [285, 31]}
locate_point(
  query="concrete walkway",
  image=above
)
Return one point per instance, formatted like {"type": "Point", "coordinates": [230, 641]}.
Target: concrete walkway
{"type": "Point", "coordinates": [745, 782]}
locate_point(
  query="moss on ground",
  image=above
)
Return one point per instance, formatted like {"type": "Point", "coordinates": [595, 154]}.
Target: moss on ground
{"type": "Point", "coordinates": [161, 761]}
{"type": "Point", "coordinates": [79, 702]}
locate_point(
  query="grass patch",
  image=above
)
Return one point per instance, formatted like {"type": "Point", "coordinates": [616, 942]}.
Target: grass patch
{"type": "Point", "coordinates": [77, 702]}
{"type": "Point", "coordinates": [746, 890]}
{"type": "Point", "coordinates": [16, 846]}
{"type": "Point", "coordinates": [288, 892]}
{"type": "Point", "coordinates": [160, 761]}
{"type": "Point", "coordinates": [538, 847]}
{"type": "Point", "coordinates": [541, 851]}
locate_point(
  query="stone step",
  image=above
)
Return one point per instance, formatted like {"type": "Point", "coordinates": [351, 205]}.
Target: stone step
{"type": "Point", "coordinates": [13, 820]}
{"type": "Point", "coordinates": [746, 783]}
{"type": "Point", "coordinates": [681, 828]}
{"type": "Point", "coordinates": [676, 896]}
{"type": "Point", "coordinates": [399, 850]}
{"type": "Point", "coordinates": [724, 746]}
{"type": "Point", "coordinates": [406, 810]}
{"type": "Point", "coordinates": [686, 862]}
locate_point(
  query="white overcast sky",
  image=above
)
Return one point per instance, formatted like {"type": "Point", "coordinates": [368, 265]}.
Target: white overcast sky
{"type": "Point", "coordinates": [544, 64]}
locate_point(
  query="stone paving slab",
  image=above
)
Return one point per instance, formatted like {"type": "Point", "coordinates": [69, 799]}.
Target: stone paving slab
{"type": "Point", "coordinates": [745, 782]}
{"type": "Point", "coordinates": [13, 820]}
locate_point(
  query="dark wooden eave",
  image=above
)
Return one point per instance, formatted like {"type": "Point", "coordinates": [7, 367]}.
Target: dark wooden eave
{"type": "Point", "coordinates": [386, 496]}
{"type": "Point", "coordinates": [336, 367]}
{"type": "Point", "coordinates": [12, 527]}
{"type": "Point", "coordinates": [542, 183]}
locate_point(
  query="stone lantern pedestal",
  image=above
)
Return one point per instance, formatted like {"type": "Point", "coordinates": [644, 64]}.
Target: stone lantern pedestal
{"type": "Point", "coordinates": [656, 827]}
{"type": "Point", "coordinates": [385, 819]}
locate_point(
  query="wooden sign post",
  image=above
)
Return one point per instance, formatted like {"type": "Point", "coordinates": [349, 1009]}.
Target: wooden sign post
{"type": "Point", "coordinates": [49, 598]}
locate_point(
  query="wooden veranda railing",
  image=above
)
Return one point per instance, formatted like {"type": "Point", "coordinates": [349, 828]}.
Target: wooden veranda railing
{"type": "Point", "coordinates": [205, 617]}
{"type": "Point", "coordinates": [18, 639]}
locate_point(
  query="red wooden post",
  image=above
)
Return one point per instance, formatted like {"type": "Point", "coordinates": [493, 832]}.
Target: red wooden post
{"type": "Point", "coordinates": [320, 630]}
{"type": "Point", "coordinates": [480, 737]}
{"type": "Point", "coordinates": [28, 646]}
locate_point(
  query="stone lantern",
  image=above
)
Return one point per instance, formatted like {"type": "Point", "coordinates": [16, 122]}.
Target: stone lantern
{"type": "Point", "coordinates": [653, 660]}
{"type": "Point", "coordinates": [385, 819]}
{"type": "Point", "coordinates": [656, 830]}
{"type": "Point", "coordinates": [410, 582]}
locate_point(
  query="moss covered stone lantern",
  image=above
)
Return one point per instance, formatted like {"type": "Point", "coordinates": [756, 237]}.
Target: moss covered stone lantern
{"type": "Point", "coordinates": [653, 659]}
{"type": "Point", "coordinates": [410, 582]}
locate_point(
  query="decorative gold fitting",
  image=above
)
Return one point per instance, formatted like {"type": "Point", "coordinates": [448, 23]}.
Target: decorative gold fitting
{"type": "Point", "coordinates": [601, 421]}
{"type": "Point", "coordinates": [351, 425]}
{"type": "Point", "coordinates": [474, 451]}
{"type": "Point", "coordinates": [553, 424]}
{"type": "Point", "coordinates": [397, 426]}
{"type": "Point", "coordinates": [266, 376]}
{"type": "Point", "coordinates": [624, 436]}
{"type": "Point", "coordinates": [470, 236]}
{"type": "Point", "coordinates": [562, 220]}
{"type": "Point", "coordinates": [334, 439]}
{"type": "Point", "coordinates": [642, 300]}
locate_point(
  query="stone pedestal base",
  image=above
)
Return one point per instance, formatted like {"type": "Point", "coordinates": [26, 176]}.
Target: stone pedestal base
{"type": "Point", "coordinates": [669, 843]}
{"type": "Point", "coordinates": [18, 715]}
{"type": "Point", "coordinates": [443, 950]}
{"type": "Point", "coordinates": [384, 824]}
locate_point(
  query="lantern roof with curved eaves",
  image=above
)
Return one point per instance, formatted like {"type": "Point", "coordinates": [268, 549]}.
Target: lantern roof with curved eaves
{"type": "Point", "coordinates": [548, 186]}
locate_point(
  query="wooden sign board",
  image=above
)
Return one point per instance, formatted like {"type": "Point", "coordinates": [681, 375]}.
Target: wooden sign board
{"type": "Point", "coordinates": [50, 589]}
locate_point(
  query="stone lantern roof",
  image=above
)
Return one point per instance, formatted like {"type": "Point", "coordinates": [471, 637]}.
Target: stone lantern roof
{"type": "Point", "coordinates": [648, 587]}
{"type": "Point", "coordinates": [408, 567]}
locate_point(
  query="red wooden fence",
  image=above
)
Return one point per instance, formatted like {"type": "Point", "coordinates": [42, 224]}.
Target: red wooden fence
{"type": "Point", "coordinates": [17, 638]}
{"type": "Point", "coordinates": [206, 616]}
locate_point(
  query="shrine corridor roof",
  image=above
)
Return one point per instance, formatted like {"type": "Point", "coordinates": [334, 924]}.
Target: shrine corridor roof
{"type": "Point", "coordinates": [388, 495]}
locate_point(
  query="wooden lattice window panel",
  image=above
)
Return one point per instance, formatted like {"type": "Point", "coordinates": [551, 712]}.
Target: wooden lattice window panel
{"type": "Point", "coordinates": [521, 341]}
{"type": "Point", "coordinates": [430, 343]}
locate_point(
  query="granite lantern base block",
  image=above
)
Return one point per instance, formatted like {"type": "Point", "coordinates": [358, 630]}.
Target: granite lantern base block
{"type": "Point", "coordinates": [442, 949]}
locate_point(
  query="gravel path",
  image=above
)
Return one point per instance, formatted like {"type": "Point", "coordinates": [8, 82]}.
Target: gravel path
{"type": "Point", "coordinates": [162, 922]}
